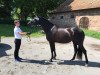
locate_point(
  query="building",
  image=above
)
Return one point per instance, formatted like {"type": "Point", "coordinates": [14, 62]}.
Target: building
{"type": "Point", "coordinates": [84, 13]}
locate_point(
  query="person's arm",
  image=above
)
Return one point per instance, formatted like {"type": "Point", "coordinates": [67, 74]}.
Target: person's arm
{"type": "Point", "coordinates": [22, 33]}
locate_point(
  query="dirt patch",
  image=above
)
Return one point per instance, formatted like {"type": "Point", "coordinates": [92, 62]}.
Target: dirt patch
{"type": "Point", "coordinates": [96, 47]}
{"type": "Point", "coordinates": [36, 55]}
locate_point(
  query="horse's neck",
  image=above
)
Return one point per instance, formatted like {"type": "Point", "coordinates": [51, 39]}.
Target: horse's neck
{"type": "Point", "coordinates": [47, 29]}
{"type": "Point", "coordinates": [47, 26]}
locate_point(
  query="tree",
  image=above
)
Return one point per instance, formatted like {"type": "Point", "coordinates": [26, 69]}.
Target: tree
{"type": "Point", "coordinates": [36, 7]}
{"type": "Point", "coordinates": [22, 9]}
{"type": "Point", "coordinates": [26, 7]}
{"type": "Point", "coordinates": [5, 8]}
{"type": "Point", "coordinates": [43, 6]}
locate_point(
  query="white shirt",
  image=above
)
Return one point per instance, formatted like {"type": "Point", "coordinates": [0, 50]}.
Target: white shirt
{"type": "Point", "coordinates": [16, 32]}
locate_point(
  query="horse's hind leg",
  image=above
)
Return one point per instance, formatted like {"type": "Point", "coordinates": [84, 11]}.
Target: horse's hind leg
{"type": "Point", "coordinates": [75, 52]}
{"type": "Point", "coordinates": [53, 53]}
{"type": "Point", "coordinates": [85, 53]}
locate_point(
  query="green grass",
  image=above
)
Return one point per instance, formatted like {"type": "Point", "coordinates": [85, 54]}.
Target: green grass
{"type": "Point", "coordinates": [6, 30]}
{"type": "Point", "coordinates": [92, 33]}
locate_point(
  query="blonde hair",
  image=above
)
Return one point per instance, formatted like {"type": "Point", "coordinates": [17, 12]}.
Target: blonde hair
{"type": "Point", "coordinates": [16, 21]}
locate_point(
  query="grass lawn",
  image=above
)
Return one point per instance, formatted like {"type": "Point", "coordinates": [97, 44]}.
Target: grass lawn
{"type": "Point", "coordinates": [7, 30]}
{"type": "Point", "coordinates": [92, 33]}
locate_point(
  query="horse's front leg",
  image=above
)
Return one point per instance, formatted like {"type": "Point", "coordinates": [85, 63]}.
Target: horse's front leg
{"type": "Point", "coordinates": [53, 53]}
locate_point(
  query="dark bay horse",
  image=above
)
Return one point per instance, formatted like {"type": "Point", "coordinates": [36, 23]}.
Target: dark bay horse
{"type": "Point", "coordinates": [62, 35]}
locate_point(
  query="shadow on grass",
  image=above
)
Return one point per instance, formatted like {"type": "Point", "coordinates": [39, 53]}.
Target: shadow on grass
{"type": "Point", "coordinates": [3, 49]}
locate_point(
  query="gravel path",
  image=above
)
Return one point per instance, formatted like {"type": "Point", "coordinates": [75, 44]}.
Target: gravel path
{"type": "Point", "coordinates": [36, 55]}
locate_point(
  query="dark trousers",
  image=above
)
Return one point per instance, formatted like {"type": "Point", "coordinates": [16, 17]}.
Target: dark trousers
{"type": "Point", "coordinates": [17, 47]}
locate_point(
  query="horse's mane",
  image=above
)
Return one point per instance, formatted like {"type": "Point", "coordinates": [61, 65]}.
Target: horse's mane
{"type": "Point", "coordinates": [46, 21]}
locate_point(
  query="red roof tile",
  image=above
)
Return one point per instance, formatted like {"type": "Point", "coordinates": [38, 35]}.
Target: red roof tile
{"type": "Point", "coordinates": [71, 5]}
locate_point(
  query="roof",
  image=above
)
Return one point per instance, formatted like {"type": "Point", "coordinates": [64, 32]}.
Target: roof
{"type": "Point", "coordinates": [72, 5]}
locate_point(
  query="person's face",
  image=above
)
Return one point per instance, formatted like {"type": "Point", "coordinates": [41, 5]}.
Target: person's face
{"type": "Point", "coordinates": [17, 23]}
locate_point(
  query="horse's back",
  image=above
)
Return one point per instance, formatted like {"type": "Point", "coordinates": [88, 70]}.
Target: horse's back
{"type": "Point", "coordinates": [61, 35]}
{"type": "Point", "coordinates": [66, 35]}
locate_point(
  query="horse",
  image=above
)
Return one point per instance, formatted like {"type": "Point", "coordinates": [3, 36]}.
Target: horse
{"type": "Point", "coordinates": [62, 35]}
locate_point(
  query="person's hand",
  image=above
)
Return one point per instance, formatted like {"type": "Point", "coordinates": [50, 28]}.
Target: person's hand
{"type": "Point", "coordinates": [28, 33]}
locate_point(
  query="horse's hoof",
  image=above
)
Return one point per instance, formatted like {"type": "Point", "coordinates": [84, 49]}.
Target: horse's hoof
{"type": "Point", "coordinates": [71, 59]}
{"type": "Point", "coordinates": [86, 65]}
{"type": "Point", "coordinates": [54, 58]}
{"type": "Point", "coordinates": [51, 60]}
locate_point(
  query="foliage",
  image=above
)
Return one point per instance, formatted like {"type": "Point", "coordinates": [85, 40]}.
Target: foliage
{"type": "Point", "coordinates": [22, 9]}
{"type": "Point", "coordinates": [92, 33]}
{"type": "Point", "coordinates": [6, 30]}
{"type": "Point", "coordinates": [5, 9]}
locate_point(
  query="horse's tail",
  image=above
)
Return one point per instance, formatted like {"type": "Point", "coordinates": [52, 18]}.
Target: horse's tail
{"type": "Point", "coordinates": [79, 53]}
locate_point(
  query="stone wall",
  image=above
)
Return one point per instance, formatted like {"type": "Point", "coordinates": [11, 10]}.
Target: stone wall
{"type": "Point", "coordinates": [62, 20]}
{"type": "Point", "coordinates": [89, 19]}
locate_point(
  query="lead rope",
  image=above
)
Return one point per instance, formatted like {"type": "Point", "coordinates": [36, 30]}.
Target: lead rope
{"type": "Point", "coordinates": [28, 35]}
{"type": "Point", "coordinates": [28, 38]}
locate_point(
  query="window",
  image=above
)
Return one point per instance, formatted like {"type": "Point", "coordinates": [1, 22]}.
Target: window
{"type": "Point", "coordinates": [61, 17]}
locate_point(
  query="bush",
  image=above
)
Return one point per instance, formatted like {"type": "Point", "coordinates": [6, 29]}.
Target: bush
{"type": "Point", "coordinates": [6, 21]}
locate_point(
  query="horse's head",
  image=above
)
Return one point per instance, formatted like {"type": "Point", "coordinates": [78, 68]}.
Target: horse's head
{"type": "Point", "coordinates": [34, 21]}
